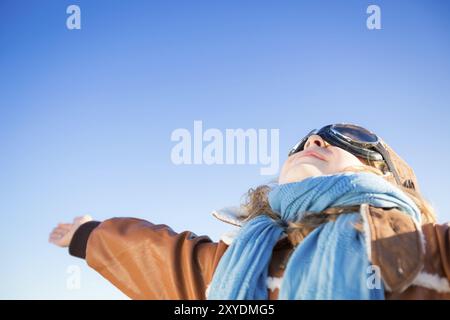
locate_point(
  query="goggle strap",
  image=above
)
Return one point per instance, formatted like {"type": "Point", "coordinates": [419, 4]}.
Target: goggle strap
{"type": "Point", "coordinates": [382, 150]}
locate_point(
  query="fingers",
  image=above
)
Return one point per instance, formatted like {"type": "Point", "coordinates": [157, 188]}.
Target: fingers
{"type": "Point", "coordinates": [82, 219]}
{"type": "Point", "coordinates": [54, 235]}
{"type": "Point", "coordinates": [60, 231]}
{"type": "Point", "coordinates": [65, 225]}
{"type": "Point", "coordinates": [62, 234]}
{"type": "Point", "coordinates": [54, 238]}
{"type": "Point", "coordinates": [58, 236]}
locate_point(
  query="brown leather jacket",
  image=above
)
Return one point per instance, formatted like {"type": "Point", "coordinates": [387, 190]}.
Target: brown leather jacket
{"type": "Point", "coordinates": [148, 261]}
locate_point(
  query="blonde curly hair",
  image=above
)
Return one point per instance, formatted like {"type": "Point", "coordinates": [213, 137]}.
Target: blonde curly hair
{"type": "Point", "coordinates": [256, 203]}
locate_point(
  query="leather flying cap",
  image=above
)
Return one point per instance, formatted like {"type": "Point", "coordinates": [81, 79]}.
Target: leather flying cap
{"type": "Point", "coordinates": [405, 172]}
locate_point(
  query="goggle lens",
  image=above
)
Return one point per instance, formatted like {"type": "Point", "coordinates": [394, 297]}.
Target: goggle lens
{"type": "Point", "coordinates": [355, 133]}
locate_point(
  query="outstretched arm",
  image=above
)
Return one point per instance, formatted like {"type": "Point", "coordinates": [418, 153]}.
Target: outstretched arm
{"type": "Point", "coordinates": [144, 260]}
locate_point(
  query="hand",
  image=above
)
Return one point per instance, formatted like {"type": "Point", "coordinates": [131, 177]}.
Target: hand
{"type": "Point", "coordinates": [62, 234]}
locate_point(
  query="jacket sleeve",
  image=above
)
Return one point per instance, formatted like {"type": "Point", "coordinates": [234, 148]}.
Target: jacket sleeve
{"type": "Point", "coordinates": [442, 232]}
{"type": "Point", "coordinates": [148, 261]}
{"type": "Point", "coordinates": [77, 247]}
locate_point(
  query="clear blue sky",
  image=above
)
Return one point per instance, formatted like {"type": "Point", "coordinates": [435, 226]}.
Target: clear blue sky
{"type": "Point", "coordinates": [86, 115]}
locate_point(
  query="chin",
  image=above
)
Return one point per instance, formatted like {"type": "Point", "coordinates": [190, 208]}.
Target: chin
{"type": "Point", "coordinates": [298, 174]}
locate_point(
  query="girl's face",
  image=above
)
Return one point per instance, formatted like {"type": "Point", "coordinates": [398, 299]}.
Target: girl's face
{"type": "Point", "coordinates": [316, 159]}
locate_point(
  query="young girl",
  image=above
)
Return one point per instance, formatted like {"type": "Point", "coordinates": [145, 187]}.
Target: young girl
{"type": "Point", "coordinates": [345, 221]}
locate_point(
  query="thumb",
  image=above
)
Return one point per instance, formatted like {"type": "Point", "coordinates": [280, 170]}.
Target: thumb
{"type": "Point", "coordinates": [82, 219]}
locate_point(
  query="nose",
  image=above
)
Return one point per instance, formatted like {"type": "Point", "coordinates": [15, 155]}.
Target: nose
{"type": "Point", "coordinates": [315, 140]}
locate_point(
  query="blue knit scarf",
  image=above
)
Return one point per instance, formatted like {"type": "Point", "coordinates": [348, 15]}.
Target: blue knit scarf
{"type": "Point", "coordinates": [330, 263]}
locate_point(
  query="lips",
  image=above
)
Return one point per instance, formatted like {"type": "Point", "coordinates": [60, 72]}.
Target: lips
{"type": "Point", "coordinates": [313, 154]}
